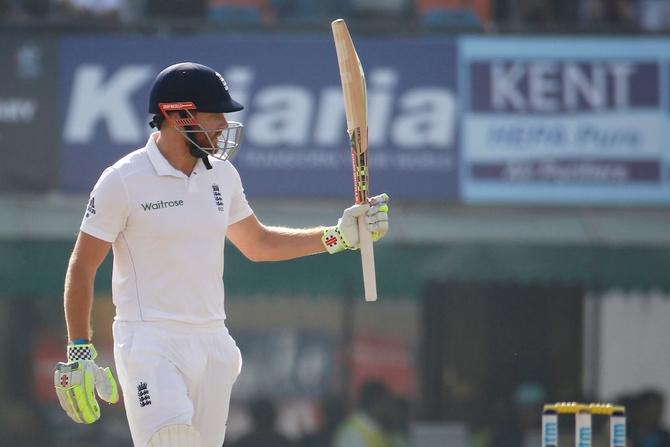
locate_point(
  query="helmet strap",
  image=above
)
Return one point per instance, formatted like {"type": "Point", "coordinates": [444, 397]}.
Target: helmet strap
{"type": "Point", "coordinates": [197, 153]}
{"type": "Point", "coordinates": [192, 148]}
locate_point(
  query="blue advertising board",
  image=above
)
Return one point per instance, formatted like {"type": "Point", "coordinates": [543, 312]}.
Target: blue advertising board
{"type": "Point", "coordinates": [29, 133]}
{"type": "Point", "coordinates": [564, 121]}
{"type": "Point", "coordinates": [477, 120]}
{"type": "Point", "coordinates": [295, 142]}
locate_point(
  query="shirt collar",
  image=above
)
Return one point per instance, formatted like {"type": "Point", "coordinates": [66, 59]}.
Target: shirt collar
{"type": "Point", "coordinates": [160, 163]}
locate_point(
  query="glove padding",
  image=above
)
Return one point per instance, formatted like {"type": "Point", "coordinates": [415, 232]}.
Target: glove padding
{"type": "Point", "coordinates": [344, 235]}
{"type": "Point", "coordinates": [75, 380]}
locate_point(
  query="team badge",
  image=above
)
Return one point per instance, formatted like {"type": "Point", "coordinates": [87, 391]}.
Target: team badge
{"type": "Point", "coordinates": [143, 394]}
{"type": "Point", "coordinates": [218, 198]}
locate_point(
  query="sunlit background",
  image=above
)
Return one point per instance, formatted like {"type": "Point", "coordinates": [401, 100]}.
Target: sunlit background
{"type": "Point", "coordinates": [525, 147]}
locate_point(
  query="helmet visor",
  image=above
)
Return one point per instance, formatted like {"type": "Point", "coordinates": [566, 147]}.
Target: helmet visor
{"type": "Point", "coordinates": [222, 143]}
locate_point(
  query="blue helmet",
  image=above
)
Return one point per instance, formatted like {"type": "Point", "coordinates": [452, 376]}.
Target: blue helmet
{"type": "Point", "coordinates": [187, 88]}
{"type": "Point", "coordinates": [191, 82]}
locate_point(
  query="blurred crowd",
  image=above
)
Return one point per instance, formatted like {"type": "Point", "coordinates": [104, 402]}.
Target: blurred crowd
{"type": "Point", "coordinates": [447, 15]}
{"type": "Point", "coordinates": [379, 419]}
{"type": "Point", "coordinates": [376, 418]}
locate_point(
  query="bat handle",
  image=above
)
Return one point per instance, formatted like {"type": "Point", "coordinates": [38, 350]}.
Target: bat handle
{"type": "Point", "coordinates": [368, 260]}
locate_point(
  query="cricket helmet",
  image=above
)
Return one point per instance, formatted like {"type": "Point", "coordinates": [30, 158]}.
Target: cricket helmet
{"type": "Point", "coordinates": [191, 82]}
{"type": "Point", "coordinates": [188, 88]}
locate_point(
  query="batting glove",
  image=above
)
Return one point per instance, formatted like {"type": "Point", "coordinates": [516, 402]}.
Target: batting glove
{"type": "Point", "coordinates": [75, 380]}
{"type": "Point", "coordinates": [344, 235]}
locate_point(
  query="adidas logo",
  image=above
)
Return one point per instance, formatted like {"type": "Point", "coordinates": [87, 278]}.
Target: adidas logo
{"type": "Point", "coordinates": [90, 208]}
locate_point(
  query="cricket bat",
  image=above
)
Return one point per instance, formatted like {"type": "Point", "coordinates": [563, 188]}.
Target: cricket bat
{"type": "Point", "coordinates": [356, 109]}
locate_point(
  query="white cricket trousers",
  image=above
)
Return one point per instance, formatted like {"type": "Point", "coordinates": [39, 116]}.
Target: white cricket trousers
{"type": "Point", "coordinates": [175, 373]}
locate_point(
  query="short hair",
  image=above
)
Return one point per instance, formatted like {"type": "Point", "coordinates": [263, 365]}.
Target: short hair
{"type": "Point", "coordinates": [157, 121]}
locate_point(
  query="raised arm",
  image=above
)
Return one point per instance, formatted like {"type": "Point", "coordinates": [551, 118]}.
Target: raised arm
{"type": "Point", "coordinates": [260, 242]}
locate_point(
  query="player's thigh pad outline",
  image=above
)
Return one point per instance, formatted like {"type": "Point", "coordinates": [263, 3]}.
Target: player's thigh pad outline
{"type": "Point", "coordinates": [179, 435]}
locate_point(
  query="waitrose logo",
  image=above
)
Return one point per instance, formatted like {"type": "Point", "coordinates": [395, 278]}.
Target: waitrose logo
{"type": "Point", "coordinates": [159, 205]}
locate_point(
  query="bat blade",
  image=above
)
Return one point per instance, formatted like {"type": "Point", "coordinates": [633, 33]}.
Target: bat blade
{"type": "Point", "coordinates": [356, 109]}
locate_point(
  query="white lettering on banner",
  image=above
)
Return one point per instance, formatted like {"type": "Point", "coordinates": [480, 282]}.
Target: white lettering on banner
{"type": "Point", "coordinates": [428, 119]}
{"type": "Point", "coordinates": [572, 172]}
{"type": "Point", "coordinates": [328, 159]}
{"type": "Point", "coordinates": [330, 118]}
{"type": "Point", "coordinates": [543, 87]}
{"type": "Point", "coordinates": [276, 115]}
{"type": "Point", "coordinates": [504, 83]}
{"type": "Point", "coordinates": [282, 116]}
{"type": "Point", "coordinates": [552, 85]}
{"type": "Point", "coordinates": [578, 84]}
{"type": "Point", "coordinates": [93, 100]}
{"type": "Point", "coordinates": [621, 72]}
{"type": "Point", "coordinates": [240, 80]}
{"type": "Point", "coordinates": [290, 158]}
{"type": "Point", "coordinates": [17, 110]}
{"type": "Point", "coordinates": [380, 103]}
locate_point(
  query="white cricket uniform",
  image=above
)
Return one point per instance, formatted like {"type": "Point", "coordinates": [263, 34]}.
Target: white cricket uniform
{"type": "Point", "coordinates": [175, 359]}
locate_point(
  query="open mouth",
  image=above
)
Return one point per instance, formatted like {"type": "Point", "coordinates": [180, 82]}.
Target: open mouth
{"type": "Point", "coordinates": [220, 143]}
{"type": "Point", "coordinates": [211, 142]}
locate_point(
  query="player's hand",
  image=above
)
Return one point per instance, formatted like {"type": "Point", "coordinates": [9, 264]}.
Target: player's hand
{"type": "Point", "coordinates": [75, 381]}
{"type": "Point", "coordinates": [344, 235]}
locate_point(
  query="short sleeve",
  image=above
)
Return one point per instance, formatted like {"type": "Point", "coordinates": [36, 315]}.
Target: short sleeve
{"type": "Point", "coordinates": [107, 210]}
{"type": "Point", "coordinates": [239, 207]}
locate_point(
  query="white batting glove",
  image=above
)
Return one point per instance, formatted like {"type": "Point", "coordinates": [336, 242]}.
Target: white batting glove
{"type": "Point", "coordinates": [76, 380]}
{"type": "Point", "coordinates": [344, 235]}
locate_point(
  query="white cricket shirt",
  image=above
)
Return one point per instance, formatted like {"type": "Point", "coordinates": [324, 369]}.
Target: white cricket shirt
{"type": "Point", "coordinates": [167, 232]}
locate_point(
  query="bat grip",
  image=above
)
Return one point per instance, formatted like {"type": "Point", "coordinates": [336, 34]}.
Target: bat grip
{"type": "Point", "coordinates": [367, 260]}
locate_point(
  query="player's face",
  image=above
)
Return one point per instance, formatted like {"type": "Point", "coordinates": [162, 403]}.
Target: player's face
{"type": "Point", "coordinates": [213, 123]}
